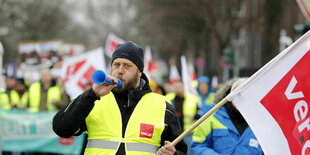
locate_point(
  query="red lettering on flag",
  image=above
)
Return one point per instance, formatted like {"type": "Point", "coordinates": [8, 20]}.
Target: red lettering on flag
{"type": "Point", "coordinates": [152, 67]}
{"type": "Point", "coordinates": [72, 69]}
{"type": "Point", "coordinates": [291, 112]}
{"type": "Point", "coordinates": [146, 130]}
{"type": "Point", "coordinates": [111, 46]}
{"type": "Point", "coordinates": [86, 77]}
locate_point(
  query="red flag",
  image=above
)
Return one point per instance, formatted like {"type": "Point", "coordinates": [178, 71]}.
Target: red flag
{"type": "Point", "coordinates": [275, 101]}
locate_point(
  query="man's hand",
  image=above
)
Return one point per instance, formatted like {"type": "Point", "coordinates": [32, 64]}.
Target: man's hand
{"type": "Point", "coordinates": [167, 149]}
{"type": "Point", "coordinates": [104, 89]}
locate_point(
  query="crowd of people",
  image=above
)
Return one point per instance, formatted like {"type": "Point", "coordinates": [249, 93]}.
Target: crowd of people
{"type": "Point", "coordinates": [46, 94]}
{"type": "Point", "coordinates": [141, 117]}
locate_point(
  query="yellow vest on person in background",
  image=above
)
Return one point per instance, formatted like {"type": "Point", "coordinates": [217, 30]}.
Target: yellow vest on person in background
{"type": "Point", "coordinates": [17, 100]}
{"type": "Point", "coordinates": [53, 94]}
{"type": "Point", "coordinates": [189, 108]}
{"type": "Point", "coordinates": [4, 101]}
{"type": "Point", "coordinates": [143, 131]}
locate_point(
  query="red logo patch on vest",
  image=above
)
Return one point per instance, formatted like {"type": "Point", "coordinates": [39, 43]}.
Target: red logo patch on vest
{"type": "Point", "coordinates": [146, 130]}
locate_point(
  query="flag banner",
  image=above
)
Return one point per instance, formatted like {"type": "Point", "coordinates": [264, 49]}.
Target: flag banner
{"type": "Point", "coordinates": [77, 70]}
{"type": "Point", "coordinates": [111, 43]}
{"type": "Point", "coordinates": [22, 131]}
{"type": "Point", "coordinates": [275, 101]}
{"type": "Point", "coordinates": [42, 47]}
{"type": "Point", "coordinates": [174, 74]}
{"type": "Point", "coordinates": [187, 77]}
{"type": "Point", "coordinates": [149, 66]}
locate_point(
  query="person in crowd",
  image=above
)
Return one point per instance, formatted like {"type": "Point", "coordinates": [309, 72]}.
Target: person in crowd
{"type": "Point", "coordinates": [19, 96]}
{"type": "Point", "coordinates": [206, 94]}
{"type": "Point", "coordinates": [226, 131]}
{"type": "Point", "coordinates": [126, 120]}
{"type": "Point", "coordinates": [10, 83]}
{"type": "Point", "coordinates": [4, 100]}
{"type": "Point", "coordinates": [156, 88]}
{"type": "Point", "coordinates": [168, 88]}
{"type": "Point", "coordinates": [45, 95]}
{"type": "Point", "coordinates": [186, 106]}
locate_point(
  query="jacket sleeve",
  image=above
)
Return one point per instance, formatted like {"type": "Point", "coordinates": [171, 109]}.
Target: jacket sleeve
{"type": "Point", "coordinates": [70, 119]}
{"type": "Point", "coordinates": [173, 130]}
{"type": "Point", "coordinates": [202, 142]}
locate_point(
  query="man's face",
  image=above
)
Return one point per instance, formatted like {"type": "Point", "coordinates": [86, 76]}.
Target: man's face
{"type": "Point", "coordinates": [126, 71]}
{"type": "Point", "coordinates": [46, 76]}
{"type": "Point", "coordinates": [178, 88]}
{"type": "Point", "coordinates": [203, 88]}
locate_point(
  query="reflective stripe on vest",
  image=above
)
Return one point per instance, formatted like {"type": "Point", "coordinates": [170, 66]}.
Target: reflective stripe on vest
{"type": "Point", "coordinates": [143, 131]}
{"type": "Point", "coordinates": [104, 144]}
{"type": "Point", "coordinates": [53, 93]}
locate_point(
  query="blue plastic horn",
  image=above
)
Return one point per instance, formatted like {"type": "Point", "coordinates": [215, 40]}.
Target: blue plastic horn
{"type": "Point", "coordinates": [99, 77]}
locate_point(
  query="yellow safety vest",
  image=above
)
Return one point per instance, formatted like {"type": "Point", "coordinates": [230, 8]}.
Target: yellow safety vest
{"type": "Point", "coordinates": [4, 101]}
{"type": "Point", "coordinates": [210, 99]}
{"type": "Point", "coordinates": [143, 131]}
{"type": "Point", "coordinates": [53, 93]}
{"type": "Point", "coordinates": [19, 101]}
{"type": "Point", "coordinates": [189, 108]}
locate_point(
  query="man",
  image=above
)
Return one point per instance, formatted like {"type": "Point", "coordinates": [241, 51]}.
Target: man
{"type": "Point", "coordinates": [19, 95]}
{"type": "Point", "coordinates": [10, 83]}
{"type": "Point", "coordinates": [205, 93]}
{"type": "Point", "coordinates": [126, 120]}
{"type": "Point", "coordinates": [45, 95]}
{"type": "Point", "coordinates": [226, 131]}
{"type": "Point", "coordinates": [186, 108]}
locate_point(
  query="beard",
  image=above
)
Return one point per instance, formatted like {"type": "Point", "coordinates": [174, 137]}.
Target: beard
{"type": "Point", "coordinates": [128, 84]}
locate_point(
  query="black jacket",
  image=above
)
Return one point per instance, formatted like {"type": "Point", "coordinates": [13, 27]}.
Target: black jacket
{"type": "Point", "coordinates": [70, 120]}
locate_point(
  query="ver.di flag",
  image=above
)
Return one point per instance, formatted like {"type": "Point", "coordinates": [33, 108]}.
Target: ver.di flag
{"type": "Point", "coordinates": [77, 70]}
{"type": "Point", "coordinates": [275, 101]}
{"type": "Point", "coordinates": [111, 43]}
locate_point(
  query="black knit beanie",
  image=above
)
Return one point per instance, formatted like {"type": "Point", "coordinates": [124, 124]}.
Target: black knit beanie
{"type": "Point", "coordinates": [130, 51]}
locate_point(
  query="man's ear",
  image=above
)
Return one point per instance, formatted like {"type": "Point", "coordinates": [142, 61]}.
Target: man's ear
{"type": "Point", "coordinates": [140, 74]}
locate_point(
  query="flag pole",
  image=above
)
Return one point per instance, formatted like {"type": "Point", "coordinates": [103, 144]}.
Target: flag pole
{"type": "Point", "coordinates": [199, 121]}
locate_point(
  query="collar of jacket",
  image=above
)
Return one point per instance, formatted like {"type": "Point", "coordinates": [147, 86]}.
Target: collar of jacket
{"type": "Point", "coordinates": [134, 95]}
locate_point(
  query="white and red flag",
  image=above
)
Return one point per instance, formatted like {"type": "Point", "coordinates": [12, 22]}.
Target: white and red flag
{"type": "Point", "coordinates": [111, 43]}
{"type": "Point", "coordinates": [150, 67]}
{"type": "Point", "coordinates": [275, 101]}
{"type": "Point", "coordinates": [77, 70]}
{"type": "Point", "coordinates": [174, 74]}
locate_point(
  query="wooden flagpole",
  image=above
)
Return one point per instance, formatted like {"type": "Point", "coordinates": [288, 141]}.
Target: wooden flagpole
{"type": "Point", "coordinates": [199, 121]}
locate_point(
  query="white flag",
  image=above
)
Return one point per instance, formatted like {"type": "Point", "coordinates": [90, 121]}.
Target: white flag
{"type": "Point", "coordinates": [187, 77]}
{"type": "Point", "coordinates": [174, 74]}
{"type": "Point", "coordinates": [77, 70]}
{"type": "Point", "coordinates": [275, 101]}
{"type": "Point", "coordinates": [111, 43]}
{"type": "Point", "coordinates": [148, 62]}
